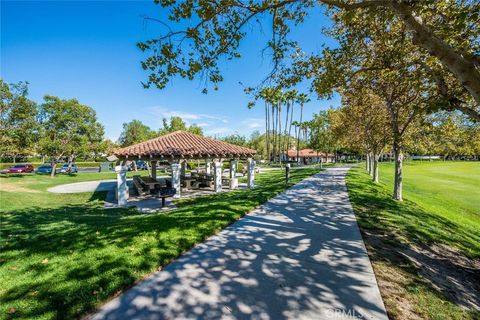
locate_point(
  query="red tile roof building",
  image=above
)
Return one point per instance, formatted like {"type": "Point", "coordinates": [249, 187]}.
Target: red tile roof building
{"type": "Point", "coordinates": [309, 155]}
{"type": "Point", "coordinates": [181, 144]}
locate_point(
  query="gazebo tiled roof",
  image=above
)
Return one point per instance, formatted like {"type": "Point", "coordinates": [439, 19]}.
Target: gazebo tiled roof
{"type": "Point", "coordinates": [181, 144]}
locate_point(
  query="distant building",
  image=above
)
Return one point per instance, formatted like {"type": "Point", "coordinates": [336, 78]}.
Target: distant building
{"type": "Point", "coordinates": [308, 156]}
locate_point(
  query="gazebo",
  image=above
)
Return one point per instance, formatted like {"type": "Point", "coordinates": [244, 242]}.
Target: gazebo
{"type": "Point", "coordinates": [178, 147]}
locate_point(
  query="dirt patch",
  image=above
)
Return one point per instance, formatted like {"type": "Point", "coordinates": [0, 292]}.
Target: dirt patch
{"type": "Point", "coordinates": [8, 187]}
{"type": "Point", "coordinates": [449, 271]}
{"type": "Point", "coordinates": [445, 269]}
{"type": "Point", "coordinates": [392, 283]}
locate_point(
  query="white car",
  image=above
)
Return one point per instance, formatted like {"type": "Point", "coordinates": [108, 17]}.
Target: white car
{"type": "Point", "coordinates": [73, 168]}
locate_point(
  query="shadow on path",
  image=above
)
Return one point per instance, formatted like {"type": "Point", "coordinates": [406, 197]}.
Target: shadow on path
{"type": "Point", "coordinates": [299, 256]}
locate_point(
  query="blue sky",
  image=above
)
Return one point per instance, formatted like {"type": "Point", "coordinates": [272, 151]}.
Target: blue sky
{"type": "Point", "coordinates": [87, 50]}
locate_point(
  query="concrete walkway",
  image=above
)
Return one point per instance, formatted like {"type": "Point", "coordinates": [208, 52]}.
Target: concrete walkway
{"type": "Point", "coordinates": [86, 186]}
{"type": "Point", "coordinates": [299, 256]}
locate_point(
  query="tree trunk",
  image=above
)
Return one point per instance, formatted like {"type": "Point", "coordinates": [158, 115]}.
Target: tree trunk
{"type": "Point", "coordinates": [279, 115]}
{"type": "Point", "coordinates": [366, 162]}
{"type": "Point", "coordinates": [370, 164]}
{"type": "Point", "coordinates": [298, 135]}
{"type": "Point", "coordinates": [273, 133]}
{"type": "Point", "coordinates": [54, 166]}
{"type": "Point", "coordinates": [267, 134]}
{"type": "Point", "coordinates": [290, 128]}
{"type": "Point", "coordinates": [397, 187]}
{"type": "Point", "coordinates": [464, 70]}
{"type": "Point", "coordinates": [70, 160]}
{"type": "Point", "coordinates": [375, 167]}
{"type": "Point", "coordinates": [285, 137]}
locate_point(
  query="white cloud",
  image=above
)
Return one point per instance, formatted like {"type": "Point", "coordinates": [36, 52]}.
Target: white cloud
{"type": "Point", "coordinates": [201, 119]}
{"type": "Point", "coordinates": [253, 123]}
{"type": "Point", "coordinates": [184, 115]}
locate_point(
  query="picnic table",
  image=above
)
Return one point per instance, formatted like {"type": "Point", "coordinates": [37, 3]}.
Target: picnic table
{"type": "Point", "coordinates": [150, 182]}
{"type": "Point", "coordinates": [188, 182]}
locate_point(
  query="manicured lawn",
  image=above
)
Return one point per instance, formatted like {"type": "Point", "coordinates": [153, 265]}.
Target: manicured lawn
{"type": "Point", "coordinates": [449, 189]}
{"type": "Point", "coordinates": [62, 257]}
{"type": "Point", "coordinates": [23, 191]}
{"type": "Point", "coordinates": [80, 164]}
{"type": "Point", "coordinates": [438, 225]}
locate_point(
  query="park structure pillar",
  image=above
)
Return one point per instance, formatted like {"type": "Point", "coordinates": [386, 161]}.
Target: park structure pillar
{"type": "Point", "coordinates": [217, 175]}
{"type": "Point", "coordinates": [251, 172]}
{"type": "Point", "coordinates": [154, 169]}
{"type": "Point", "coordinates": [176, 179]}
{"type": "Point", "coordinates": [183, 169]}
{"type": "Point", "coordinates": [208, 166]}
{"type": "Point", "coordinates": [122, 187]}
{"type": "Point", "coordinates": [233, 174]}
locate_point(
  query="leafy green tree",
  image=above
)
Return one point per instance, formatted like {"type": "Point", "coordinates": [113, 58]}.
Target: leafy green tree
{"type": "Point", "coordinates": [68, 128]}
{"type": "Point", "coordinates": [443, 34]}
{"type": "Point", "coordinates": [362, 124]}
{"type": "Point", "coordinates": [18, 120]}
{"type": "Point", "coordinates": [134, 132]}
{"type": "Point", "coordinates": [258, 142]}
{"type": "Point", "coordinates": [195, 129]}
{"type": "Point", "coordinates": [301, 100]}
{"type": "Point", "coordinates": [177, 124]}
{"type": "Point", "coordinates": [235, 139]}
{"type": "Point", "coordinates": [322, 137]}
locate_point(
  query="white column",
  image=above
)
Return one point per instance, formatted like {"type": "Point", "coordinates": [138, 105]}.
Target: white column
{"type": "Point", "coordinates": [122, 187]}
{"type": "Point", "coordinates": [176, 179]}
{"type": "Point", "coordinates": [233, 174]}
{"type": "Point", "coordinates": [208, 166]}
{"type": "Point", "coordinates": [251, 172]}
{"type": "Point", "coordinates": [217, 176]}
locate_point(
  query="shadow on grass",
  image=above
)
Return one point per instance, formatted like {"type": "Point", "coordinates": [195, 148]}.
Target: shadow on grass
{"type": "Point", "coordinates": [403, 235]}
{"type": "Point", "coordinates": [61, 262]}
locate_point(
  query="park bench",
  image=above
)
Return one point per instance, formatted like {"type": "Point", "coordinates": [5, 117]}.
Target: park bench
{"type": "Point", "coordinates": [141, 187]}
{"type": "Point", "coordinates": [205, 180]}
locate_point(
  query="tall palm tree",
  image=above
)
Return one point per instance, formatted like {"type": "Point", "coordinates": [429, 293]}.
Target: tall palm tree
{"type": "Point", "coordinates": [290, 97]}
{"type": "Point", "coordinates": [265, 95]}
{"type": "Point", "coordinates": [281, 99]}
{"type": "Point", "coordinates": [302, 98]}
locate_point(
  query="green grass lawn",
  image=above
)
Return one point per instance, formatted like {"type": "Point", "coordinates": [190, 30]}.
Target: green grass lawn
{"type": "Point", "coordinates": [449, 189]}
{"type": "Point", "coordinates": [36, 164]}
{"type": "Point", "coordinates": [62, 255]}
{"type": "Point", "coordinates": [441, 207]}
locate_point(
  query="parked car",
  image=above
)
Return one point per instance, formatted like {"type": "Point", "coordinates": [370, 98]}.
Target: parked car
{"type": "Point", "coordinates": [65, 169]}
{"type": "Point", "coordinates": [142, 165]}
{"type": "Point", "coordinates": [20, 168]}
{"type": "Point", "coordinates": [44, 169]}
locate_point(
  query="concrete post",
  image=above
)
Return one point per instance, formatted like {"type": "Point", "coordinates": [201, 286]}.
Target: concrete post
{"type": "Point", "coordinates": [176, 179]}
{"type": "Point", "coordinates": [287, 173]}
{"type": "Point", "coordinates": [251, 172]}
{"type": "Point", "coordinates": [208, 166]}
{"type": "Point", "coordinates": [183, 170]}
{"type": "Point", "coordinates": [122, 187]}
{"type": "Point", "coordinates": [154, 169]}
{"type": "Point", "coordinates": [233, 174]}
{"type": "Point", "coordinates": [217, 176]}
